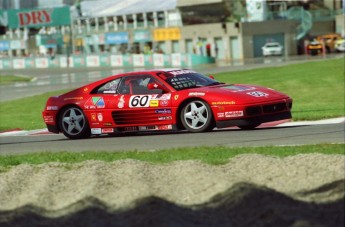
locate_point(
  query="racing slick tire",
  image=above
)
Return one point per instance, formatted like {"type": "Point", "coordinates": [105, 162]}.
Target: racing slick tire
{"type": "Point", "coordinates": [197, 116]}
{"type": "Point", "coordinates": [74, 124]}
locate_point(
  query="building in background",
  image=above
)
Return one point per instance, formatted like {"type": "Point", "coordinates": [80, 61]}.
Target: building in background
{"type": "Point", "coordinates": [226, 29]}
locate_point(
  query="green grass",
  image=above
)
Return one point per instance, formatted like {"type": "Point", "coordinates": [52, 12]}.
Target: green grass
{"type": "Point", "coordinates": [210, 155]}
{"type": "Point", "coordinates": [10, 79]}
{"type": "Point", "coordinates": [317, 89]}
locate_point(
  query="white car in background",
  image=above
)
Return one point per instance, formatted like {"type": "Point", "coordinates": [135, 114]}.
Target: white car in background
{"type": "Point", "coordinates": [272, 48]}
{"type": "Point", "coordinates": [340, 45]}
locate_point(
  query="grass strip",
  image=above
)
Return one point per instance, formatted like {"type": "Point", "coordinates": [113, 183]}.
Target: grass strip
{"type": "Point", "coordinates": [211, 155]}
{"type": "Point", "coordinates": [10, 79]}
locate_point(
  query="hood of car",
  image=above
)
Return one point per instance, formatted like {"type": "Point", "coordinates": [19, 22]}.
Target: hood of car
{"type": "Point", "coordinates": [238, 93]}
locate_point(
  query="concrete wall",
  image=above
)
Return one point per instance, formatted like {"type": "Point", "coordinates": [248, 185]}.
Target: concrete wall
{"type": "Point", "coordinates": [322, 27]}
{"type": "Point", "coordinates": [340, 24]}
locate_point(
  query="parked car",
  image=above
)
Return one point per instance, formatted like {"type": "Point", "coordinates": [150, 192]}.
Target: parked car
{"type": "Point", "coordinates": [340, 45]}
{"type": "Point", "coordinates": [272, 48]}
{"type": "Point", "coordinates": [315, 48]}
{"type": "Point", "coordinates": [167, 99]}
{"type": "Point", "coordinates": [329, 41]}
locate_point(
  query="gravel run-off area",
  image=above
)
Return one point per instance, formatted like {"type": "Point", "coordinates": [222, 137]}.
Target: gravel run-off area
{"type": "Point", "coordinates": [250, 190]}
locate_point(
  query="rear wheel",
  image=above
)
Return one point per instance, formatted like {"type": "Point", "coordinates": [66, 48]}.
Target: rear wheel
{"type": "Point", "coordinates": [196, 116]}
{"type": "Point", "coordinates": [74, 124]}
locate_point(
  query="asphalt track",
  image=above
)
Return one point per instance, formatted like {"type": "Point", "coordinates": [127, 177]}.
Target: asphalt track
{"type": "Point", "coordinates": [232, 137]}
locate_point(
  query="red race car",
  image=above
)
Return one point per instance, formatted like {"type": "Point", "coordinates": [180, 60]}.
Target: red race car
{"type": "Point", "coordinates": [167, 99]}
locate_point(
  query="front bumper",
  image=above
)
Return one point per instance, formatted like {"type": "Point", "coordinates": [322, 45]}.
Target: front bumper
{"type": "Point", "coordinates": [254, 120]}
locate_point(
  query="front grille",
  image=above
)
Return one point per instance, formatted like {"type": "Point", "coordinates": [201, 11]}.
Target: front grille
{"type": "Point", "coordinates": [267, 109]}
{"type": "Point", "coordinates": [274, 108]}
{"type": "Point", "coordinates": [253, 110]}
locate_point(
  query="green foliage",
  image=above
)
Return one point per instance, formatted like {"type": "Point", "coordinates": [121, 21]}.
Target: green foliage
{"type": "Point", "coordinates": [211, 155]}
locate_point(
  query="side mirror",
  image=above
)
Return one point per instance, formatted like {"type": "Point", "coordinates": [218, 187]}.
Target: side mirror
{"type": "Point", "coordinates": [152, 86]}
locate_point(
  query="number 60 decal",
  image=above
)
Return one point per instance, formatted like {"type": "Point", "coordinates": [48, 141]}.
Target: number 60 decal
{"type": "Point", "coordinates": [139, 101]}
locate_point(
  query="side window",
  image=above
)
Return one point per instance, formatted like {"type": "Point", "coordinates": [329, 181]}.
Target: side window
{"type": "Point", "coordinates": [108, 88]}
{"type": "Point", "coordinates": [137, 85]}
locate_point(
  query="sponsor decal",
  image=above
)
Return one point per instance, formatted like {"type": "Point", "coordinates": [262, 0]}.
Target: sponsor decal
{"type": "Point", "coordinates": [100, 117]}
{"type": "Point", "coordinates": [163, 111]}
{"type": "Point", "coordinates": [224, 103]}
{"type": "Point", "coordinates": [164, 127]}
{"type": "Point", "coordinates": [234, 114]}
{"type": "Point", "coordinates": [86, 89]}
{"type": "Point", "coordinates": [48, 119]}
{"type": "Point", "coordinates": [52, 108]}
{"type": "Point", "coordinates": [154, 103]}
{"type": "Point", "coordinates": [163, 102]}
{"type": "Point", "coordinates": [107, 130]}
{"type": "Point", "coordinates": [176, 97]}
{"type": "Point", "coordinates": [220, 114]}
{"type": "Point", "coordinates": [165, 118]}
{"type": "Point", "coordinates": [257, 94]}
{"type": "Point", "coordinates": [196, 94]}
{"type": "Point", "coordinates": [96, 131]}
{"type": "Point", "coordinates": [162, 96]}
{"type": "Point", "coordinates": [107, 124]}
{"type": "Point", "coordinates": [140, 101]}
{"type": "Point", "coordinates": [93, 117]}
{"type": "Point", "coordinates": [180, 72]}
{"type": "Point", "coordinates": [109, 92]}
{"type": "Point", "coordinates": [94, 102]}
{"type": "Point", "coordinates": [121, 103]}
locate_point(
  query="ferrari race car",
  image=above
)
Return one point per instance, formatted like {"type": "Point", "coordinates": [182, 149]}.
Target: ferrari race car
{"type": "Point", "coordinates": [167, 99]}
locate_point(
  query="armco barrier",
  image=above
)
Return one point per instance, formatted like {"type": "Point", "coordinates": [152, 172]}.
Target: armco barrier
{"type": "Point", "coordinates": [101, 60]}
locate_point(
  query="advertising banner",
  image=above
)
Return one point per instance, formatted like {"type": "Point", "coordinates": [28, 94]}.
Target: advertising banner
{"type": "Point", "coordinates": [176, 59]}
{"type": "Point", "coordinates": [29, 63]}
{"type": "Point", "coordinates": [4, 45]}
{"type": "Point", "coordinates": [138, 60]}
{"type": "Point", "coordinates": [158, 60]}
{"type": "Point", "coordinates": [142, 36]}
{"type": "Point", "coordinates": [19, 63]}
{"type": "Point", "coordinates": [17, 44]}
{"type": "Point", "coordinates": [50, 40]}
{"type": "Point", "coordinates": [104, 60]}
{"type": "Point", "coordinates": [42, 63]}
{"type": "Point", "coordinates": [38, 17]}
{"type": "Point", "coordinates": [116, 60]}
{"type": "Point", "coordinates": [78, 61]}
{"type": "Point", "coordinates": [163, 34]}
{"type": "Point", "coordinates": [116, 37]}
{"type": "Point", "coordinates": [92, 61]}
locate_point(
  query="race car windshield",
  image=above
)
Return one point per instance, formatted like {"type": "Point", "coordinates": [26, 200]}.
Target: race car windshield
{"type": "Point", "coordinates": [185, 79]}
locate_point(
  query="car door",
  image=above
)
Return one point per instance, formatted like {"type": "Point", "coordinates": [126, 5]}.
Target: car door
{"type": "Point", "coordinates": [136, 105]}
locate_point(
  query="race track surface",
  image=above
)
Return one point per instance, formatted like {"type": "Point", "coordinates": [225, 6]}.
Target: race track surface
{"type": "Point", "coordinates": [232, 137]}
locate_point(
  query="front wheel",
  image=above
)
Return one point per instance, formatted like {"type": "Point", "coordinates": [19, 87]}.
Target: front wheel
{"type": "Point", "coordinates": [74, 124]}
{"type": "Point", "coordinates": [196, 116]}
